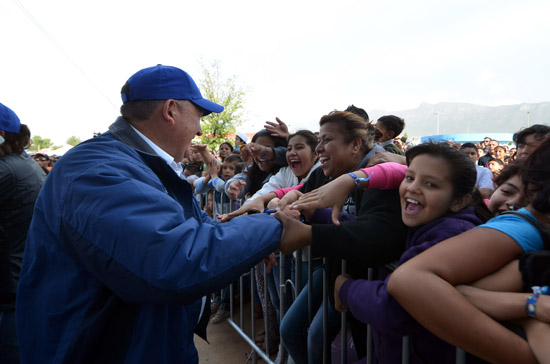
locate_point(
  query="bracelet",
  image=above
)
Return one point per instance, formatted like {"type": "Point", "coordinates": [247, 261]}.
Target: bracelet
{"type": "Point", "coordinates": [357, 179]}
{"type": "Point", "coordinates": [541, 290]}
{"type": "Point", "coordinates": [531, 304]}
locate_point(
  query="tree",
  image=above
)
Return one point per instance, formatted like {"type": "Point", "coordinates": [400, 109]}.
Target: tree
{"type": "Point", "coordinates": [73, 140]}
{"type": "Point", "coordinates": [39, 143]}
{"type": "Point", "coordinates": [217, 126]}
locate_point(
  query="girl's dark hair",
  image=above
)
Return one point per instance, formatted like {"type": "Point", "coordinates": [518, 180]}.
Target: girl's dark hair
{"type": "Point", "coordinates": [256, 175]}
{"type": "Point", "coordinates": [16, 143]}
{"type": "Point", "coordinates": [539, 131]}
{"type": "Point", "coordinates": [509, 171]}
{"type": "Point", "coordinates": [463, 173]}
{"type": "Point", "coordinates": [352, 126]}
{"type": "Point", "coordinates": [311, 139]}
{"type": "Point", "coordinates": [228, 144]}
{"type": "Point", "coordinates": [535, 175]}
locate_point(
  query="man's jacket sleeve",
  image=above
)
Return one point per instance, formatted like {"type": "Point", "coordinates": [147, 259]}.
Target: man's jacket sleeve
{"type": "Point", "coordinates": [146, 247]}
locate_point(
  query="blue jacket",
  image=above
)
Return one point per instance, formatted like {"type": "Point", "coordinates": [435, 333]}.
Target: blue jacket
{"type": "Point", "coordinates": [119, 255]}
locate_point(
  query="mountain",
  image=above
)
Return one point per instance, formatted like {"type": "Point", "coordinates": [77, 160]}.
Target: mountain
{"type": "Point", "coordinates": [469, 118]}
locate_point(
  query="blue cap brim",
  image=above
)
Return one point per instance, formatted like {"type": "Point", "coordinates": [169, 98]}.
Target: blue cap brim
{"type": "Point", "coordinates": [208, 106]}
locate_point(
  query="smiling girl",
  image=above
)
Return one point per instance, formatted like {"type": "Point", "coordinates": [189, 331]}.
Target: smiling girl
{"type": "Point", "coordinates": [467, 258]}
{"type": "Point", "coordinates": [301, 159]}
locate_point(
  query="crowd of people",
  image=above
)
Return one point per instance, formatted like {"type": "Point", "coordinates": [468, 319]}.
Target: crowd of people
{"type": "Point", "coordinates": [128, 246]}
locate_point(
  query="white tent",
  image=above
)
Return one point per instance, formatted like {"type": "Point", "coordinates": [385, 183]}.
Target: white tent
{"type": "Point", "coordinates": [61, 151]}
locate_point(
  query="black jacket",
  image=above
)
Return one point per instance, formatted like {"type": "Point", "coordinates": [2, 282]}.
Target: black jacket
{"type": "Point", "coordinates": [20, 181]}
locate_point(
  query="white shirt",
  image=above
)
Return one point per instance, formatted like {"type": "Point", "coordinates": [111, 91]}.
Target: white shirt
{"type": "Point", "coordinates": [177, 167]}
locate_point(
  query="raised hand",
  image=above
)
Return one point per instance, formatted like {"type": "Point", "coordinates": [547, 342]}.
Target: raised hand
{"type": "Point", "coordinates": [235, 189]}
{"type": "Point", "coordinates": [278, 129]}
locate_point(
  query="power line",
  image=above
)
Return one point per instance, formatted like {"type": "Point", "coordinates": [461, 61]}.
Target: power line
{"type": "Point", "coordinates": [60, 49]}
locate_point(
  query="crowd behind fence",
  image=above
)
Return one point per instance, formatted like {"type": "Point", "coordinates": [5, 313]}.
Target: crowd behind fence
{"type": "Point", "coordinates": [293, 288]}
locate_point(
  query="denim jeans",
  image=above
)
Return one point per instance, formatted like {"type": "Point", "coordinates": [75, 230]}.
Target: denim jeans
{"type": "Point", "coordinates": [274, 280]}
{"type": "Point", "coordinates": [9, 348]}
{"type": "Point", "coordinates": [302, 340]}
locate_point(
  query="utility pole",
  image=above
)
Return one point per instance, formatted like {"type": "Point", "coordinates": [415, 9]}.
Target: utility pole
{"type": "Point", "coordinates": [528, 119]}
{"type": "Point", "coordinates": [437, 113]}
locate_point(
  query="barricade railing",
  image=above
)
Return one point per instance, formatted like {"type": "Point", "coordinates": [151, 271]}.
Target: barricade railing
{"type": "Point", "coordinates": [294, 287]}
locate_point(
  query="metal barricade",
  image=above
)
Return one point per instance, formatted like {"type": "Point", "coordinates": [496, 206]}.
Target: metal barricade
{"type": "Point", "coordinates": [294, 287]}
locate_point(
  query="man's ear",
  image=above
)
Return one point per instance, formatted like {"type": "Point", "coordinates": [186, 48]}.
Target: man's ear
{"type": "Point", "coordinates": [169, 110]}
{"type": "Point", "coordinates": [460, 203]}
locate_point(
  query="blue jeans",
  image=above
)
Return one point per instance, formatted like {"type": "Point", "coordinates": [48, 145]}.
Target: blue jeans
{"type": "Point", "coordinates": [274, 280]}
{"type": "Point", "coordinates": [302, 340]}
{"type": "Point", "coordinates": [9, 348]}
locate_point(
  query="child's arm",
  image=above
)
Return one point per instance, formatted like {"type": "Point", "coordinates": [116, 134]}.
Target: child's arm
{"type": "Point", "coordinates": [538, 335]}
{"type": "Point", "coordinates": [200, 186]}
{"type": "Point", "coordinates": [506, 279]}
{"type": "Point", "coordinates": [202, 149]}
{"type": "Point", "coordinates": [505, 305]}
{"type": "Point", "coordinates": [256, 205]}
{"type": "Point", "coordinates": [335, 193]}
{"type": "Point", "coordinates": [279, 193]}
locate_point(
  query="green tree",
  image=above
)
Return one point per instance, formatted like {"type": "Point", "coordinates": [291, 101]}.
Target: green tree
{"type": "Point", "coordinates": [39, 143]}
{"type": "Point", "coordinates": [73, 140]}
{"type": "Point", "coordinates": [217, 126]}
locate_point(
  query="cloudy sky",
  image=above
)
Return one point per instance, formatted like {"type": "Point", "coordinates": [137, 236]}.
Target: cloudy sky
{"type": "Point", "coordinates": [63, 62]}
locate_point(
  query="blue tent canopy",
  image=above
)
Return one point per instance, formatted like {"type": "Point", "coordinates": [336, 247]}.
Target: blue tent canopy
{"type": "Point", "coordinates": [503, 138]}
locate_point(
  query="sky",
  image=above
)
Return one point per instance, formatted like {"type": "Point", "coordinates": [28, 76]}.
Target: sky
{"type": "Point", "coordinates": [63, 62]}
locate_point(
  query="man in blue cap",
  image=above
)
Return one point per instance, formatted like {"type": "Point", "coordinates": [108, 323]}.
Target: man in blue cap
{"type": "Point", "coordinates": [119, 255]}
{"type": "Point", "coordinates": [20, 181]}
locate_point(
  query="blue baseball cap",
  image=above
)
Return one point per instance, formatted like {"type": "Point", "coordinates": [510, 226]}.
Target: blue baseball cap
{"type": "Point", "coordinates": [8, 120]}
{"type": "Point", "coordinates": [163, 83]}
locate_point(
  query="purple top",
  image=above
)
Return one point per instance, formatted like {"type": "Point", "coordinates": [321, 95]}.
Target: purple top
{"type": "Point", "coordinates": [370, 302]}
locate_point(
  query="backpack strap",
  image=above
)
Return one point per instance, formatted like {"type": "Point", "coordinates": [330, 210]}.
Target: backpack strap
{"type": "Point", "coordinates": [542, 231]}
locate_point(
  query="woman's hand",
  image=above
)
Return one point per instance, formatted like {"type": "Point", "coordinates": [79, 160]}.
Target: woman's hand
{"type": "Point", "coordinates": [333, 194]}
{"type": "Point", "coordinates": [289, 198]}
{"type": "Point", "coordinates": [253, 206]}
{"type": "Point", "coordinates": [383, 157]}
